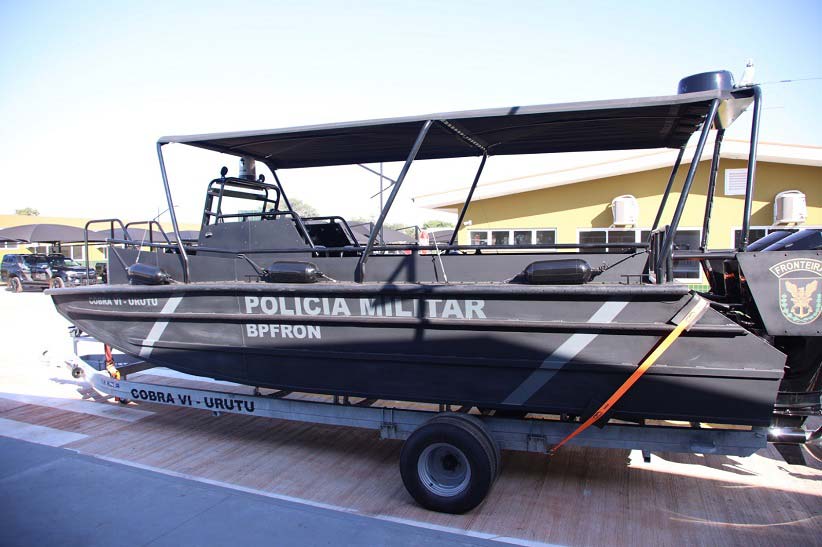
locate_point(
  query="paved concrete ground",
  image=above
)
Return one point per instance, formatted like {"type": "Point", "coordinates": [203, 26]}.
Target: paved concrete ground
{"type": "Point", "coordinates": [54, 496]}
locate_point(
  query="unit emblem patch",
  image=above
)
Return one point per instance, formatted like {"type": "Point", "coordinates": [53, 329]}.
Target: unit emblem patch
{"type": "Point", "coordinates": [800, 289]}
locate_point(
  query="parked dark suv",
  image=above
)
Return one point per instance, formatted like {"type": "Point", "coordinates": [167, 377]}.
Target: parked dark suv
{"type": "Point", "coordinates": [68, 272]}
{"type": "Point", "coordinates": [38, 271]}
{"type": "Point", "coordinates": [24, 271]}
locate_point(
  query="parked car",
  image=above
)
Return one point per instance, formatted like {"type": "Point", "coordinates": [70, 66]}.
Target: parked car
{"type": "Point", "coordinates": [25, 271]}
{"type": "Point", "coordinates": [67, 272]}
{"type": "Point", "coordinates": [39, 271]}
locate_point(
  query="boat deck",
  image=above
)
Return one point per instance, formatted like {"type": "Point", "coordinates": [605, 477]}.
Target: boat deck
{"type": "Point", "coordinates": [579, 497]}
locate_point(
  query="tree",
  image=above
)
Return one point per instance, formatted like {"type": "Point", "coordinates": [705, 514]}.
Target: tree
{"type": "Point", "coordinates": [428, 224]}
{"type": "Point", "coordinates": [27, 211]}
{"type": "Point", "coordinates": [302, 208]}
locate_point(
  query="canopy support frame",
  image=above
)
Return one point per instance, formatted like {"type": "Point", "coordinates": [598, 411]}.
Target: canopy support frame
{"type": "Point", "coordinates": [711, 192]}
{"type": "Point", "coordinates": [359, 273]}
{"type": "Point", "coordinates": [668, 242]}
{"type": "Point", "coordinates": [468, 199]}
{"type": "Point", "coordinates": [180, 247]}
{"type": "Point", "coordinates": [749, 184]}
{"type": "Point", "coordinates": [670, 184]}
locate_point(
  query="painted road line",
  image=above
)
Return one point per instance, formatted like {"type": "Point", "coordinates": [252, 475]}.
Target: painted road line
{"type": "Point", "coordinates": [37, 433]}
{"type": "Point", "coordinates": [103, 410]}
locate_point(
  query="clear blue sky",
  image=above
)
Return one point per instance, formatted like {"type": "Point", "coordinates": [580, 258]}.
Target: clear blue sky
{"type": "Point", "coordinates": [87, 87]}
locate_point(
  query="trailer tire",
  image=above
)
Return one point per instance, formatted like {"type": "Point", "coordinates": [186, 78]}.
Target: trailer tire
{"type": "Point", "coordinates": [447, 466]}
{"type": "Point", "coordinates": [57, 283]}
{"type": "Point", "coordinates": [473, 421]}
{"type": "Point", "coordinates": [15, 285]}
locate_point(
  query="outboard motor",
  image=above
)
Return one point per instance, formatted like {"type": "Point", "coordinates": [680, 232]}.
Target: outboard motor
{"type": "Point", "coordinates": [146, 274]}
{"type": "Point", "coordinates": [291, 272]}
{"type": "Point", "coordinates": [768, 240]}
{"type": "Point", "coordinates": [569, 271]}
{"type": "Point", "coordinates": [804, 240]}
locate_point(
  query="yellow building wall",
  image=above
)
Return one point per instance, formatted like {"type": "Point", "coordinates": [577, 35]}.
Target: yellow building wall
{"type": "Point", "coordinates": [587, 204]}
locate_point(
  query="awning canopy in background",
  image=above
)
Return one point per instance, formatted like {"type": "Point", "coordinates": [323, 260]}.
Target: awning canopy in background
{"type": "Point", "coordinates": [363, 231]}
{"type": "Point", "coordinates": [47, 233]}
{"type": "Point", "coordinates": [141, 234]}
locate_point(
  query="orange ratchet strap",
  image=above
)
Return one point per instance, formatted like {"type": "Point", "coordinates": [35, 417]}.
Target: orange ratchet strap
{"type": "Point", "coordinates": [111, 368]}
{"type": "Point", "coordinates": [690, 318]}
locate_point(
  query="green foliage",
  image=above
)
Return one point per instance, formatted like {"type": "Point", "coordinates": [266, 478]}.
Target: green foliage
{"type": "Point", "coordinates": [428, 224]}
{"type": "Point", "coordinates": [360, 220]}
{"type": "Point", "coordinates": [302, 208]}
{"type": "Point", "coordinates": [27, 211]}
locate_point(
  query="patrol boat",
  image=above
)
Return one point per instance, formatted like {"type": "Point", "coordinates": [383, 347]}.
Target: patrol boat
{"type": "Point", "coordinates": [273, 299]}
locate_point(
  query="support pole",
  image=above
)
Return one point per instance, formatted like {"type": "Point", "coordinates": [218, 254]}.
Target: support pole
{"type": "Point", "coordinates": [180, 247]}
{"type": "Point", "coordinates": [668, 243]}
{"type": "Point", "coordinates": [749, 186]}
{"type": "Point", "coordinates": [279, 186]}
{"type": "Point", "coordinates": [468, 199]}
{"type": "Point", "coordinates": [709, 195]}
{"type": "Point", "coordinates": [668, 187]}
{"type": "Point", "coordinates": [359, 273]}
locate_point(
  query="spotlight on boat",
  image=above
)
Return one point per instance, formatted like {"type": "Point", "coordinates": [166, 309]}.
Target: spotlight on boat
{"type": "Point", "coordinates": [248, 168]}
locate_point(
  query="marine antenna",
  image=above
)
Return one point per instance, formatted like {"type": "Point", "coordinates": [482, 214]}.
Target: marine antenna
{"type": "Point", "coordinates": [439, 258]}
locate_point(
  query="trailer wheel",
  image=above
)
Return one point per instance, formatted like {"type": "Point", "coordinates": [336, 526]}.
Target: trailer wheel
{"type": "Point", "coordinates": [491, 445]}
{"type": "Point", "coordinates": [15, 285]}
{"type": "Point", "coordinates": [447, 466]}
{"type": "Point", "coordinates": [57, 283]}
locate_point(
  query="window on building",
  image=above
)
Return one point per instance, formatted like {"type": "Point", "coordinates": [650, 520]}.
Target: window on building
{"type": "Point", "coordinates": [546, 237]}
{"type": "Point", "coordinates": [479, 237]}
{"type": "Point", "coordinates": [757, 232]}
{"type": "Point", "coordinates": [607, 235]}
{"type": "Point", "coordinates": [75, 252]}
{"type": "Point", "coordinates": [8, 244]}
{"type": "Point", "coordinates": [500, 237]}
{"type": "Point", "coordinates": [685, 240]}
{"type": "Point", "coordinates": [519, 237]}
{"type": "Point", "coordinates": [40, 249]}
{"type": "Point", "coordinates": [523, 237]}
{"type": "Point", "coordinates": [593, 236]}
{"type": "Point", "coordinates": [621, 236]}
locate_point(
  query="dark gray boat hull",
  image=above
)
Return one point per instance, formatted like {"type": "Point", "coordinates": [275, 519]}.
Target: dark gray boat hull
{"type": "Point", "coordinates": [567, 350]}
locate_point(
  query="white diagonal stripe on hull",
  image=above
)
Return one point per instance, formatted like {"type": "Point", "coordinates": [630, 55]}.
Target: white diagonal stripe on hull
{"type": "Point", "coordinates": [157, 330]}
{"type": "Point", "coordinates": [563, 354]}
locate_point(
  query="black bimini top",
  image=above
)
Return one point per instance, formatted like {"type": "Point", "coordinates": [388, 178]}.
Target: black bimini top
{"type": "Point", "coordinates": [653, 122]}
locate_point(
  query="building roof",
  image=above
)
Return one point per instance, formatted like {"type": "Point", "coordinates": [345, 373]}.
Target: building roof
{"type": "Point", "coordinates": [571, 169]}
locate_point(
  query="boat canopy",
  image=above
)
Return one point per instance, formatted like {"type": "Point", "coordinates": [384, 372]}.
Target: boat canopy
{"type": "Point", "coordinates": [651, 122]}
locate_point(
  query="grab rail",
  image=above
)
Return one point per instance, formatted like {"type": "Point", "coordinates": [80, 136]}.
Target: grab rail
{"type": "Point", "coordinates": [111, 222]}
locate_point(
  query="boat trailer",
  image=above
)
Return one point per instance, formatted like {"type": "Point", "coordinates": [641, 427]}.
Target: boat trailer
{"type": "Point", "coordinates": [470, 439]}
